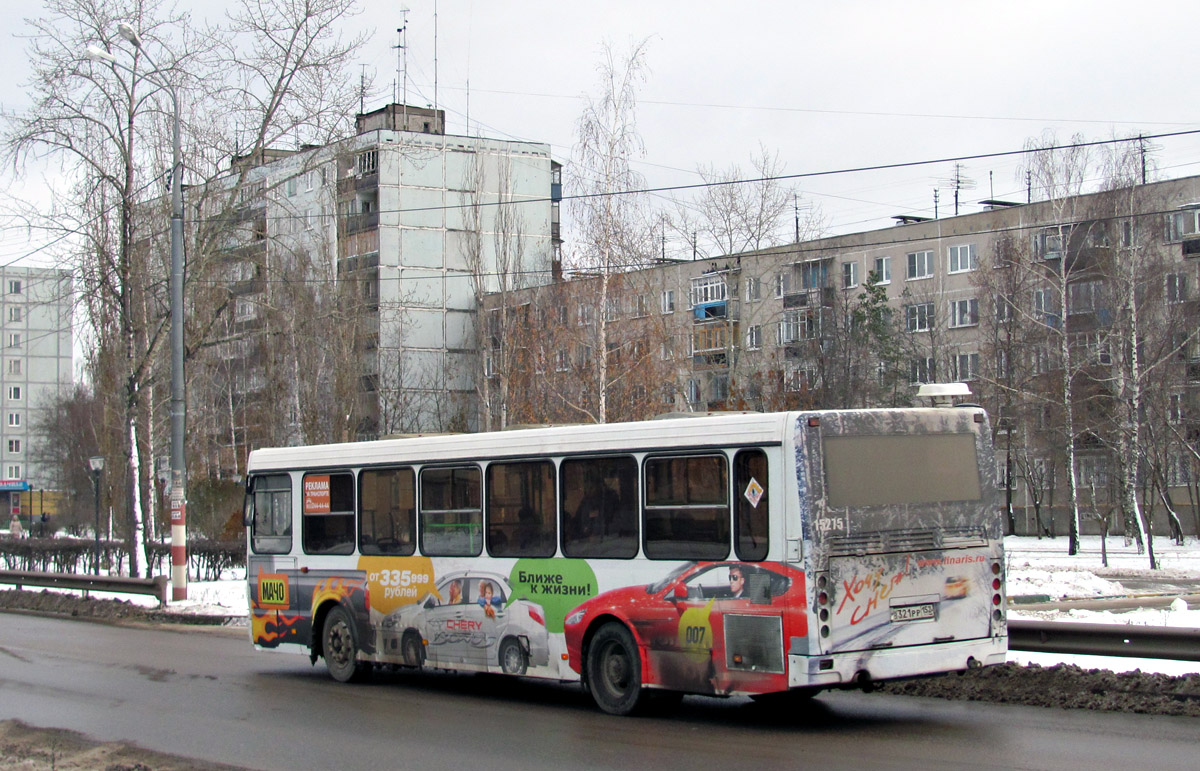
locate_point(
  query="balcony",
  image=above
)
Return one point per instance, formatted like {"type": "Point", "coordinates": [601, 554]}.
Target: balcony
{"type": "Point", "coordinates": [352, 184]}
{"type": "Point", "coordinates": [358, 223]}
{"type": "Point", "coordinates": [716, 311]}
{"type": "Point", "coordinates": [809, 298]}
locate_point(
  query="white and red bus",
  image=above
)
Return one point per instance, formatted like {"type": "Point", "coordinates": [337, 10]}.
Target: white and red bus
{"type": "Point", "coordinates": [747, 554]}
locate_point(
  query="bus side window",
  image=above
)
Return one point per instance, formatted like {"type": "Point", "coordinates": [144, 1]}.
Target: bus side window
{"type": "Point", "coordinates": [687, 507]}
{"type": "Point", "coordinates": [599, 507]}
{"type": "Point", "coordinates": [271, 520]}
{"type": "Point", "coordinates": [451, 519]}
{"type": "Point", "coordinates": [387, 522]}
{"type": "Point", "coordinates": [520, 509]}
{"type": "Point", "coordinates": [750, 486]}
{"type": "Point", "coordinates": [328, 514]}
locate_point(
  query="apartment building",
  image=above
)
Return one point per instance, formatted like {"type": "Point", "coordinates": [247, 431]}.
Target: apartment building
{"type": "Point", "coordinates": [348, 288]}
{"type": "Point", "coordinates": [37, 368]}
{"type": "Point", "coordinates": [1005, 299]}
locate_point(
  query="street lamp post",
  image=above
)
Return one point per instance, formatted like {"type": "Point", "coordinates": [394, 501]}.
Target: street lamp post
{"type": "Point", "coordinates": [96, 464]}
{"type": "Point", "coordinates": [178, 403]}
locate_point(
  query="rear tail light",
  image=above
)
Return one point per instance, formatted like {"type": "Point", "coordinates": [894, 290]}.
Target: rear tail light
{"type": "Point", "coordinates": [536, 616]}
{"type": "Point", "coordinates": [997, 596]}
{"type": "Point", "coordinates": [823, 600]}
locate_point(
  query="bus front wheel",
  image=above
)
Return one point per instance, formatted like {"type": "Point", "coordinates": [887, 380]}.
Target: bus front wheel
{"type": "Point", "coordinates": [614, 671]}
{"type": "Point", "coordinates": [340, 649]}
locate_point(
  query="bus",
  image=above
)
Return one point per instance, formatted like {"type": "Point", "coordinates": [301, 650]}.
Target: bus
{"type": "Point", "coordinates": [761, 555]}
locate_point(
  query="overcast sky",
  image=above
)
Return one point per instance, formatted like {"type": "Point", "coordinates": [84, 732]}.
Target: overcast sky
{"type": "Point", "coordinates": [827, 85]}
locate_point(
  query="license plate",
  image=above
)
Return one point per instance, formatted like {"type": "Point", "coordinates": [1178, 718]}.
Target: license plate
{"type": "Point", "coordinates": [922, 612]}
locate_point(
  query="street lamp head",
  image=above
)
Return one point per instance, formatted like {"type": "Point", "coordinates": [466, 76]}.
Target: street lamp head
{"type": "Point", "coordinates": [96, 462]}
{"type": "Point", "coordinates": [98, 54]}
{"type": "Point", "coordinates": [127, 31]}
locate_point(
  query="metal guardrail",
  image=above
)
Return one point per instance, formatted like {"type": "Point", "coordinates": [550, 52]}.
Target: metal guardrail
{"type": "Point", "coordinates": [154, 587]}
{"type": "Point", "coordinates": [1150, 642]}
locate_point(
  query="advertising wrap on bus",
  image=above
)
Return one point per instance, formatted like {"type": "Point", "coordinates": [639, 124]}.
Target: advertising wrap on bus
{"type": "Point", "coordinates": [749, 554]}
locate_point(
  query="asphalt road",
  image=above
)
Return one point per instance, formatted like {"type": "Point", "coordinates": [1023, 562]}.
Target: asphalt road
{"type": "Point", "coordinates": [205, 693]}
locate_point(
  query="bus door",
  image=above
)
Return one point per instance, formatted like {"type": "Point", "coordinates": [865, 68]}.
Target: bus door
{"type": "Point", "coordinates": [275, 618]}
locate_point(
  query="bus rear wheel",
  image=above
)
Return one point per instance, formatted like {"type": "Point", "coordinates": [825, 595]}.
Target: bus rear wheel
{"type": "Point", "coordinates": [340, 649]}
{"type": "Point", "coordinates": [614, 671]}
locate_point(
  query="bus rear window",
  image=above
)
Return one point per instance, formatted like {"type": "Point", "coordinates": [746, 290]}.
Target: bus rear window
{"type": "Point", "coordinates": [900, 469]}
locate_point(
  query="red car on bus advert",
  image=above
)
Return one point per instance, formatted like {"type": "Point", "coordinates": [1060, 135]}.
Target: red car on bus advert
{"type": "Point", "coordinates": [706, 627]}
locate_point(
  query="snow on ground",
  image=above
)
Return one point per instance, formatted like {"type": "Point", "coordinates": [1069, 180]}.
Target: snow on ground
{"type": "Point", "coordinates": [1043, 567]}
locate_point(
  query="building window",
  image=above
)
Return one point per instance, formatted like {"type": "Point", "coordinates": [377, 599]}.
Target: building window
{"type": "Point", "coordinates": [1043, 307]}
{"type": "Point", "coordinates": [14, 393]}
{"type": "Point", "coordinates": [1082, 296]}
{"type": "Point", "coordinates": [1175, 408]}
{"type": "Point", "coordinates": [668, 349]}
{"type": "Point", "coordinates": [14, 471]}
{"type": "Point", "coordinates": [1182, 224]}
{"type": "Point", "coordinates": [693, 391]}
{"type": "Point", "coordinates": [753, 288]}
{"type": "Point", "coordinates": [962, 258]}
{"type": "Point", "coordinates": [1176, 288]}
{"type": "Point", "coordinates": [14, 419]}
{"type": "Point", "coordinates": [964, 313]}
{"type": "Point", "coordinates": [14, 313]}
{"type": "Point", "coordinates": [1003, 309]}
{"type": "Point", "coordinates": [799, 379]}
{"type": "Point", "coordinates": [640, 306]}
{"type": "Point", "coordinates": [783, 283]}
{"type": "Point", "coordinates": [883, 270]}
{"type": "Point", "coordinates": [813, 275]}
{"type": "Point", "coordinates": [668, 301]}
{"type": "Point", "coordinates": [612, 309]}
{"type": "Point", "coordinates": [14, 446]}
{"type": "Point", "coordinates": [720, 388]}
{"type": "Point", "coordinates": [1050, 242]}
{"type": "Point", "coordinates": [966, 366]}
{"type": "Point", "coordinates": [14, 286]}
{"type": "Point", "coordinates": [244, 309]}
{"type": "Point", "coordinates": [586, 317]}
{"type": "Point", "coordinates": [561, 362]}
{"type": "Point", "coordinates": [708, 289]}
{"type": "Point", "coordinates": [919, 317]}
{"type": "Point", "coordinates": [14, 366]}
{"type": "Point", "coordinates": [368, 162]}
{"type": "Point", "coordinates": [291, 186]}
{"type": "Point", "coordinates": [14, 339]}
{"type": "Point", "coordinates": [921, 370]}
{"type": "Point", "coordinates": [849, 275]}
{"type": "Point", "coordinates": [920, 265]}
{"type": "Point", "coordinates": [754, 337]}
{"type": "Point", "coordinates": [1002, 364]}
{"type": "Point", "coordinates": [798, 325]}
